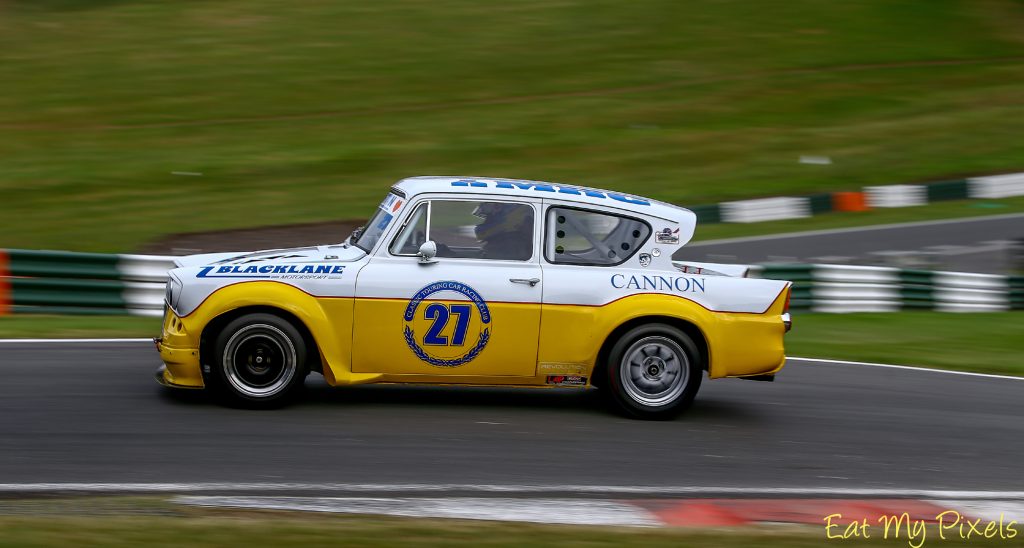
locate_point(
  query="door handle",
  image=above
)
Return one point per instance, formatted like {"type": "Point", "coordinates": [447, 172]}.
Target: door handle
{"type": "Point", "coordinates": [530, 281]}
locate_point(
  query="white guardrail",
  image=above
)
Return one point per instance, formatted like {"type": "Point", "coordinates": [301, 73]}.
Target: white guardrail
{"type": "Point", "coordinates": [849, 288]}
{"type": "Point", "coordinates": [996, 186]}
{"type": "Point", "coordinates": [145, 278]}
{"type": "Point", "coordinates": [896, 195]}
{"type": "Point", "coordinates": [765, 209]}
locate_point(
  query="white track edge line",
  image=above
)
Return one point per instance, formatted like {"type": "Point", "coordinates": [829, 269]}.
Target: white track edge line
{"type": "Point", "coordinates": [522, 489]}
{"type": "Point", "coordinates": [847, 230]}
{"type": "Point", "coordinates": [560, 510]}
{"type": "Point", "coordinates": [908, 368]}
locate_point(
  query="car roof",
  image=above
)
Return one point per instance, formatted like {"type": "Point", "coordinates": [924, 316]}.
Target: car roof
{"type": "Point", "coordinates": [492, 186]}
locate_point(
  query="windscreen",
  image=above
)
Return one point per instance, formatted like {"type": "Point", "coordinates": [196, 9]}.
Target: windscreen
{"type": "Point", "coordinates": [380, 221]}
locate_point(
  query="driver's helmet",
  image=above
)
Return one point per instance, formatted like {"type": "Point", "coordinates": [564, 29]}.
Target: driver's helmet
{"type": "Point", "coordinates": [501, 218]}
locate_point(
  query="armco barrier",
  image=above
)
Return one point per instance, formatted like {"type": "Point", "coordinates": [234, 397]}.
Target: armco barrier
{"type": "Point", "coordinates": [996, 186]}
{"type": "Point", "coordinates": [59, 282]}
{"type": "Point", "coordinates": [63, 282]}
{"type": "Point", "coordinates": [62, 264]}
{"type": "Point", "coordinates": [901, 195]}
{"type": "Point", "coordinates": [947, 190]}
{"type": "Point", "coordinates": [1016, 285]}
{"type": "Point", "coordinates": [765, 209]}
{"type": "Point", "coordinates": [846, 288]}
{"type": "Point", "coordinates": [896, 195]}
{"type": "Point", "coordinates": [5, 285]}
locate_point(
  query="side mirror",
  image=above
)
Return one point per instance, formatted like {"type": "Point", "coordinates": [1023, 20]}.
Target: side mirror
{"type": "Point", "coordinates": [355, 235]}
{"type": "Point", "coordinates": [427, 252]}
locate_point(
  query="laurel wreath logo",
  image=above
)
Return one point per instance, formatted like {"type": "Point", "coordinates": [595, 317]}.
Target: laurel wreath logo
{"type": "Point", "coordinates": [410, 339]}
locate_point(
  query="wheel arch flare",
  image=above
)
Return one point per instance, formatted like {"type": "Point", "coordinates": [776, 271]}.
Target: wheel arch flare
{"type": "Point", "coordinates": [327, 322]}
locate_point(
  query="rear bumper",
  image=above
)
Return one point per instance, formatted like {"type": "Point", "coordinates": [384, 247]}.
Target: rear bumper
{"type": "Point", "coordinates": [181, 366]}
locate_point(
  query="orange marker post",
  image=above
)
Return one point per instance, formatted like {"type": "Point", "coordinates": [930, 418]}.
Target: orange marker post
{"type": "Point", "coordinates": [849, 201]}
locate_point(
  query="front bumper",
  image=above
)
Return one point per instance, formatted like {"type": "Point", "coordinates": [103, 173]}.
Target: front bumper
{"type": "Point", "coordinates": [181, 366]}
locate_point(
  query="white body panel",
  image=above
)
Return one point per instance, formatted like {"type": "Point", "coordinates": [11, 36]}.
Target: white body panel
{"type": "Point", "coordinates": [347, 271]}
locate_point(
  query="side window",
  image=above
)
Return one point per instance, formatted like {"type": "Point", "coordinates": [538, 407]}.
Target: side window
{"type": "Point", "coordinates": [469, 230]}
{"type": "Point", "coordinates": [576, 236]}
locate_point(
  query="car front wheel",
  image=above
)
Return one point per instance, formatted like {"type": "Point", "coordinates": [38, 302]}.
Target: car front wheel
{"type": "Point", "coordinates": [654, 372]}
{"type": "Point", "coordinates": [259, 361]}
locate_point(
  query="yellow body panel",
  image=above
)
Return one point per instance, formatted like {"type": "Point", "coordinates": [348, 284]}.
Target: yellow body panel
{"type": "Point", "coordinates": [739, 344]}
{"type": "Point", "coordinates": [511, 348]}
{"type": "Point", "coordinates": [180, 354]}
{"type": "Point", "coordinates": [570, 337]}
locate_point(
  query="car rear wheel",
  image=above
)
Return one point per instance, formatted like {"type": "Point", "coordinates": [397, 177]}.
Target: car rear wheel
{"type": "Point", "coordinates": [654, 372]}
{"type": "Point", "coordinates": [259, 361]}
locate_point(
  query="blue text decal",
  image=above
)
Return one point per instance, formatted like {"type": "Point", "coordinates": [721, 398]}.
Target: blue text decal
{"type": "Point", "coordinates": [559, 189]}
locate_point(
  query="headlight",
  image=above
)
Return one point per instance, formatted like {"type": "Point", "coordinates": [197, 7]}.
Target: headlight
{"type": "Point", "coordinates": [172, 293]}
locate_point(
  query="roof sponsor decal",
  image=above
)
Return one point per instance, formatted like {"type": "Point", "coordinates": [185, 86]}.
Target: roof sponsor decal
{"type": "Point", "coordinates": [548, 187]}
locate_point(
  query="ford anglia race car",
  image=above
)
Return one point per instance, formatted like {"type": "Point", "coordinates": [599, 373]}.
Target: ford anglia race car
{"type": "Point", "coordinates": [478, 281]}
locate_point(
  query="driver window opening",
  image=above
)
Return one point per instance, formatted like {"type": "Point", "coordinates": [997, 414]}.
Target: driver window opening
{"type": "Point", "coordinates": [470, 230]}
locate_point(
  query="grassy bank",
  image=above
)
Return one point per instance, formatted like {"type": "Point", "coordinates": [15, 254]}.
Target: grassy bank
{"type": "Point", "coordinates": [77, 327]}
{"type": "Point", "coordinates": [984, 342]}
{"type": "Point", "coordinates": [258, 529]}
{"type": "Point", "coordinates": [124, 120]}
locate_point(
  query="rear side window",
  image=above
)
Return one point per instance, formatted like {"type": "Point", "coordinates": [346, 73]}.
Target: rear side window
{"type": "Point", "coordinates": [576, 236]}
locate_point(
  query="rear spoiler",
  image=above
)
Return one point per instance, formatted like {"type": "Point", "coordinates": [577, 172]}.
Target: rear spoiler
{"type": "Point", "coordinates": [712, 269]}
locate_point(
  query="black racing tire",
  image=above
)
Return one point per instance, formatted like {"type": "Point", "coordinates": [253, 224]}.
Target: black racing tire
{"type": "Point", "coordinates": [653, 372]}
{"type": "Point", "coordinates": [259, 361]}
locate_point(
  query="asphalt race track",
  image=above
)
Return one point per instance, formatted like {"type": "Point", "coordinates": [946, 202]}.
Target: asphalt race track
{"type": "Point", "coordinates": [978, 244]}
{"type": "Point", "coordinates": [91, 412]}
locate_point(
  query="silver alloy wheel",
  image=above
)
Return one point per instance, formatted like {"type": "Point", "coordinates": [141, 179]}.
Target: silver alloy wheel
{"type": "Point", "coordinates": [654, 371]}
{"type": "Point", "coordinates": [259, 360]}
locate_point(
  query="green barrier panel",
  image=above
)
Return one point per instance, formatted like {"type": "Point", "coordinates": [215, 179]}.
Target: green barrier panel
{"type": "Point", "coordinates": [69, 310]}
{"type": "Point", "coordinates": [710, 213]}
{"type": "Point", "coordinates": [800, 304]}
{"type": "Point", "coordinates": [5, 285]}
{"type": "Point", "coordinates": [801, 275]}
{"type": "Point", "coordinates": [62, 264]}
{"type": "Point", "coordinates": [947, 190]}
{"type": "Point", "coordinates": [820, 203]}
{"type": "Point", "coordinates": [1016, 284]}
{"type": "Point", "coordinates": [65, 292]}
{"type": "Point", "coordinates": [917, 277]}
{"type": "Point", "coordinates": [792, 272]}
{"type": "Point", "coordinates": [917, 290]}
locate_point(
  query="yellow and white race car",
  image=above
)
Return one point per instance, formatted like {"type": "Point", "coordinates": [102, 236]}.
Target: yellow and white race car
{"type": "Point", "coordinates": [478, 281]}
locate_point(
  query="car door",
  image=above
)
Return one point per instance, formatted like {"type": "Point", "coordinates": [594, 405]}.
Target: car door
{"type": "Point", "coordinates": [473, 309]}
{"type": "Point", "coordinates": [586, 252]}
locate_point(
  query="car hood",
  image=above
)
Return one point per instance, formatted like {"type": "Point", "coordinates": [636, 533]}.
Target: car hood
{"type": "Point", "coordinates": [339, 252]}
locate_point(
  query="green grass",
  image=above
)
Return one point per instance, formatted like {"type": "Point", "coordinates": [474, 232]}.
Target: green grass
{"type": "Point", "coordinates": [309, 111]}
{"type": "Point", "coordinates": [31, 326]}
{"type": "Point", "coordinates": [206, 528]}
{"type": "Point", "coordinates": [935, 211]}
{"type": "Point", "coordinates": [983, 342]}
